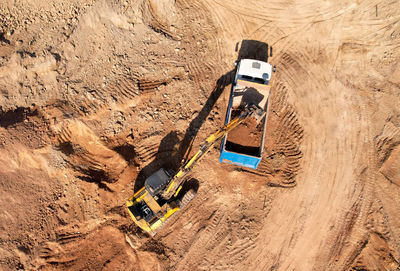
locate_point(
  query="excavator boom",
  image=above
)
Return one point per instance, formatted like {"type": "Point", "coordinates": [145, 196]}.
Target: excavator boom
{"type": "Point", "coordinates": [179, 177]}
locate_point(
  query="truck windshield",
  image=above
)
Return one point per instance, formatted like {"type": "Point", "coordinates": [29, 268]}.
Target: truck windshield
{"type": "Point", "coordinates": [252, 79]}
{"type": "Point", "coordinates": [258, 80]}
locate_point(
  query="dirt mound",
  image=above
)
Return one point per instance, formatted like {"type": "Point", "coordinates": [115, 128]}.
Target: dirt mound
{"type": "Point", "coordinates": [88, 154]}
{"type": "Point", "coordinates": [248, 133]}
{"type": "Point", "coordinates": [246, 138]}
{"type": "Point", "coordinates": [391, 167]}
{"type": "Point", "coordinates": [105, 248]}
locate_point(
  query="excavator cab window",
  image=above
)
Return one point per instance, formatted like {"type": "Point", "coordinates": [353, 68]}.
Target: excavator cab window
{"type": "Point", "coordinates": [157, 181]}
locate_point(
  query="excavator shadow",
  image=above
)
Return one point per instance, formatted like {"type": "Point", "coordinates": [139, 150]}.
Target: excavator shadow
{"type": "Point", "coordinates": [191, 132]}
{"type": "Point", "coordinates": [175, 150]}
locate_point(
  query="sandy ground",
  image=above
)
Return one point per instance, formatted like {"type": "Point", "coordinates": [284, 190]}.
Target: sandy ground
{"type": "Point", "coordinates": [97, 95]}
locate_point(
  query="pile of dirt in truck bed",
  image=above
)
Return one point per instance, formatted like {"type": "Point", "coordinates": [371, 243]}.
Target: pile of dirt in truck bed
{"type": "Point", "coordinates": [246, 137]}
{"type": "Point", "coordinates": [95, 95]}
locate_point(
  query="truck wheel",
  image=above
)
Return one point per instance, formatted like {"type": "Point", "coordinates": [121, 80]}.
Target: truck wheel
{"type": "Point", "coordinates": [188, 197]}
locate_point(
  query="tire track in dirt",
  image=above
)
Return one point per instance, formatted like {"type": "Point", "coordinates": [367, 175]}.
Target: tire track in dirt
{"type": "Point", "coordinates": [322, 154]}
{"type": "Point", "coordinates": [386, 145]}
{"type": "Point", "coordinates": [293, 74]}
{"type": "Point", "coordinates": [122, 91]}
{"type": "Point", "coordinates": [205, 65]}
{"type": "Point", "coordinates": [199, 71]}
{"type": "Point", "coordinates": [228, 236]}
{"type": "Point", "coordinates": [282, 155]}
{"type": "Point", "coordinates": [288, 13]}
{"type": "Point", "coordinates": [387, 141]}
{"type": "Point", "coordinates": [373, 188]}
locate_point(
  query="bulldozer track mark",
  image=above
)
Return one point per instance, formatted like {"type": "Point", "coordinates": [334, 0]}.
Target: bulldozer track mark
{"type": "Point", "coordinates": [235, 253]}
{"type": "Point", "coordinates": [147, 154]}
{"type": "Point", "coordinates": [222, 23]}
{"type": "Point", "coordinates": [292, 71]}
{"type": "Point", "coordinates": [124, 89]}
{"type": "Point", "coordinates": [199, 71]}
{"type": "Point", "coordinates": [195, 70]}
{"type": "Point", "coordinates": [91, 159]}
{"type": "Point", "coordinates": [147, 85]}
{"type": "Point", "coordinates": [98, 95]}
{"type": "Point", "coordinates": [64, 136]}
{"type": "Point", "coordinates": [74, 102]}
{"type": "Point", "coordinates": [92, 101]}
{"type": "Point", "coordinates": [89, 106]}
{"type": "Point", "coordinates": [287, 134]}
{"type": "Point", "coordinates": [244, 246]}
{"type": "Point", "coordinates": [64, 238]}
{"type": "Point", "coordinates": [216, 218]}
{"type": "Point", "coordinates": [225, 253]}
{"type": "Point", "coordinates": [386, 141]}
{"type": "Point", "coordinates": [217, 239]}
{"type": "Point", "coordinates": [215, 221]}
{"type": "Point", "coordinates": [46, 252]}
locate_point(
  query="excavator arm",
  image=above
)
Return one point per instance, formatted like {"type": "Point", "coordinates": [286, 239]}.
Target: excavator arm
{"type": "Point", "coordinates": [178, 179]}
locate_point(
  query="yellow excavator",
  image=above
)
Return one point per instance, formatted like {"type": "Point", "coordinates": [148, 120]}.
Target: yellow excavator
{"type": "Point", "coordinates": [159, 198]}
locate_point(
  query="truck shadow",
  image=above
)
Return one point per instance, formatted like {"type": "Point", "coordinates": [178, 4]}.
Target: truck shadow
{"type": "Point", "coordinates": [253, 49]}
{"type": "Point", "coordinates": [174, 150]}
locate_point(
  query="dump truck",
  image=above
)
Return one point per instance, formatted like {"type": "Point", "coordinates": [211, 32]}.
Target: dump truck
{"type": "Point", "coordinates": [161, 197]}
{"type": "Point", "coordinates": [244, 146]}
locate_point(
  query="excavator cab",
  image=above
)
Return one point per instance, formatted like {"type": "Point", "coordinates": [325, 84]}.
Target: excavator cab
{"type": "Point", "coordinates": [147, 208]}
{"type": "Point", "coordinates": [157, 181]}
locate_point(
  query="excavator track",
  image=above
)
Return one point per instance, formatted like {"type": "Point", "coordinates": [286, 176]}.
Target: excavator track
{"type": "Point", "coordinates": [188, 197]}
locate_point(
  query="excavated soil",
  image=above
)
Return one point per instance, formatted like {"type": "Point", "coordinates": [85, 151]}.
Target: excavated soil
{"type": "Point", "coordinates": [247, 137]}
{"type": "Point", "coordinates": [97, 95]}
{"type": "Point", "coordinates": [247, 134]}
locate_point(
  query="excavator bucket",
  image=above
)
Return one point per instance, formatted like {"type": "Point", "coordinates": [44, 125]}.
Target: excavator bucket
{"type": "Point", "coordinates": [257, 112]}
{"type": "Point", "coordinates": [259, 115]}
